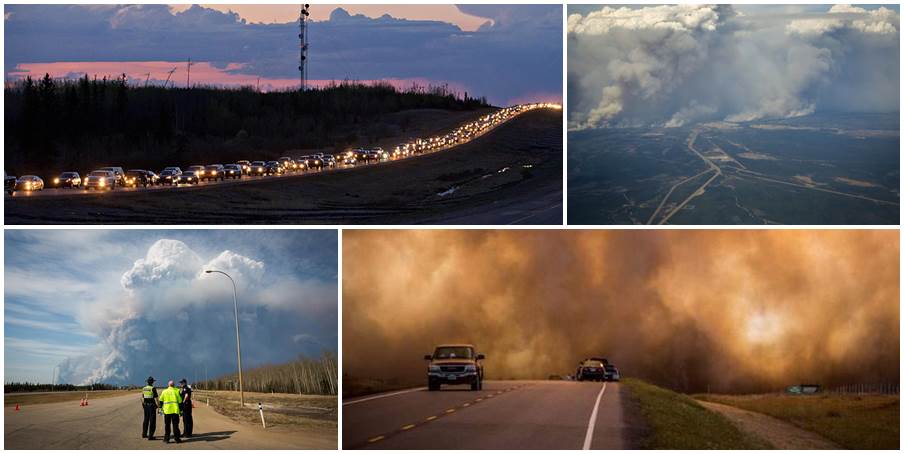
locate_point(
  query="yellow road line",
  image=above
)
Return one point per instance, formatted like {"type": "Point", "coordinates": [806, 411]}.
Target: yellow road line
{"type": "Point", "coordinates": [466, 404]}
{"type": "Point", "coordinates": [376, 439]}
{"type": "Point", "coordinates": [431, 418]}
{"type": "Point", "coordinates": [451, 410]}
{"type": "Point", "coordinates": [408, 427]}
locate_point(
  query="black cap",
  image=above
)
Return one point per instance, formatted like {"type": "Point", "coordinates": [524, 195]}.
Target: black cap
{"type": "Point", "coordinates": [150, 380]}
{"type": "Point", "coordinates": [183, 381]}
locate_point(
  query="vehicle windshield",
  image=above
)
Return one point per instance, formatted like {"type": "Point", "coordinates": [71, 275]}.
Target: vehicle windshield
{"type": "Point", "coordinates": [134, 173]}
{"type": "Point", "coordinates": [69, 174]}
{"type": "Point", "coordinates": [212, 167]}
{"type": "Point", "coordinates": [258, 163]}
{"type": "Point", "coordinates": [189, 173]}
{"type": "Point", "coordinates": [593, 363]}
{"type": "Point", "coordinates": [99, 173]}
{"type": "Point", "coordinates": [610, 367]}
{"type": "Point", "coordinates": [453, 352]}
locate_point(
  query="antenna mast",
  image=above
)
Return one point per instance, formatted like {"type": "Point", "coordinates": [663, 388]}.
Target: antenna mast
{"type": "Point", "coordinates": [188, 77]}
{"type": "Point", "coordinates": [303, 45]}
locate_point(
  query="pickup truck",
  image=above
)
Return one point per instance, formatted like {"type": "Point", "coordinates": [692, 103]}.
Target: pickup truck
{"type": "Point", "coordinates": [454, 364]}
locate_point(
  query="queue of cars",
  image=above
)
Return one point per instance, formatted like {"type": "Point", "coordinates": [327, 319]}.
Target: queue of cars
{"type": "Point", "coordinates": [109, 178]}
{"type": "Point", "coordinates": [597, 369]}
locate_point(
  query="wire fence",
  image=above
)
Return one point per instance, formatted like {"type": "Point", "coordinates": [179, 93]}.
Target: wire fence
{"type": "Point", "coordinates": [890, 389]}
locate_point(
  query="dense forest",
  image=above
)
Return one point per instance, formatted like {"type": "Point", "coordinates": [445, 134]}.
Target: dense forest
{"type": "Point", "coordinates": [302, 376]}
{"type": "Point", "coordinates": [54, 125]}
{"type": "Point", "coordinates": [25, 387]}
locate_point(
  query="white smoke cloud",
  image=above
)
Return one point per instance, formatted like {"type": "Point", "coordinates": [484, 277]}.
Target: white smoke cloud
{"type": "Point", "coordinates": [171, 319]}
{"type": "Point", "coordinates": [675, 65]}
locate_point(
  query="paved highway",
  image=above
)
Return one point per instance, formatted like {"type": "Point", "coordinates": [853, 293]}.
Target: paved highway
{"type": "Point", "coordinates": [504, 415]}
{"type": "Point", "coordinates": [50, 191]}
{"type": "Point", "coordinates": [115, 423]}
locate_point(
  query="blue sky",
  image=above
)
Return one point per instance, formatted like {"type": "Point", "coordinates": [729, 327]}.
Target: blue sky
{"type": "Point", "coordinates": [515, 55]}
{"type": "Point", "coordinates": [108, 305]}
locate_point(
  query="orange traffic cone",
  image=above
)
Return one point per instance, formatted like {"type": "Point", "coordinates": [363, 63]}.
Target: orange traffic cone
{"type": "Point", "coordinates": [81, 403]}
{"type": "Point", "coordinates": [86, 401]}
{"type": "Point", "coordinates": [17, 407]}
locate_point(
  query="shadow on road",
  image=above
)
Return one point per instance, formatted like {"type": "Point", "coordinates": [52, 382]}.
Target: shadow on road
{"type": "Point", "coordinates": [210, 436]}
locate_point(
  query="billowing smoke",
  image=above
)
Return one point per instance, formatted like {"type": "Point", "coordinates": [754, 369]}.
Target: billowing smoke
{"type": "Point", "coordinates": [676, 65]}
{"type": "Point", "coordinates": [725, 310]}
{"type": "Point", "coordinates": [172, 320]}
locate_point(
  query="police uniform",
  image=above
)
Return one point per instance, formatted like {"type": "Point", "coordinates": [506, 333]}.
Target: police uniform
{"type": "Point", "coordinates": [187, 421]}
{"type": "Point", "coordinates": [149, 404]}
{"type": "Point", "coordinates": [170, 400]}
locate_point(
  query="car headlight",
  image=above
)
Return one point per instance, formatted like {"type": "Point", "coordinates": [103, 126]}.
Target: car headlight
{"type": "Point", "coordinates": [56, 181]}
{"type": "Point", "coordinates": [434, 369]}
{"type": "Point", "coordinates": [470, 368]}
{"type": "Point", "coordinates": [101, 182]}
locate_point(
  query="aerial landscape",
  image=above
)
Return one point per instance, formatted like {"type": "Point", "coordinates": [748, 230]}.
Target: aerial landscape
{"type": "Point", "coordinates": [800, 125]}
{"type": "Point", "coordinates": [621, 339]}
{"type": "Point", "coordinates": [378, 114]}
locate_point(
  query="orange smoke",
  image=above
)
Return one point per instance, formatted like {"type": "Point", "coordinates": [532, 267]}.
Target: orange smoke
{"type": "Point", "coordinates": [728, 310]}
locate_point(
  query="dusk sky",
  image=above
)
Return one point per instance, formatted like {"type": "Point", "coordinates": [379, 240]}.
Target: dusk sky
{"type": "Point", "coordinates": [508, 53]}
{"type": "Point", "coordinates": [116, 306]}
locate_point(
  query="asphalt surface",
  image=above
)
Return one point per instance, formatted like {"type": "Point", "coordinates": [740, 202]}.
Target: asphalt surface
{"type": "Point", "coordinates": [504, 415]}
{"type": "Point", "coordinates": [512, 175]}
{"type": "Point", "coordinates": [115, 423]}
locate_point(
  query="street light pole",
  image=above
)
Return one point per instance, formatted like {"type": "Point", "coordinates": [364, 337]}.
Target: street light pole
{"type": "Point", "coordinates": [238, 341]}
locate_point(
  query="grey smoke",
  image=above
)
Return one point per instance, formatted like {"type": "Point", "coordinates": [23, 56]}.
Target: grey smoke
{"type": "Point", "coordinates": [675, 65]}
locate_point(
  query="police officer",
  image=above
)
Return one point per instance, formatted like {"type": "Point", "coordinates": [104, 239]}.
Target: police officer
{"type": "Point", "coordinates": [150, 404]}
{"type": "Point", "coordinates": [170, 400]}
{"type": "Point", "coordinates": [187, 422]}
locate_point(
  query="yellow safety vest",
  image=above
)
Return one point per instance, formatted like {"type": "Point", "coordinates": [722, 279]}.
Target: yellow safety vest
{"type": "Point", "coordinates": [148, 392]}
{"type": "Point", "coordinates": [170, 399]}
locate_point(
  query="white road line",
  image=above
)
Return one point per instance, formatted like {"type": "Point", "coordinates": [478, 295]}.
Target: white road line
{"type": "Point", "coordinates": [380, 396]}
{"type": "Point", "coordinates": [592, 423]}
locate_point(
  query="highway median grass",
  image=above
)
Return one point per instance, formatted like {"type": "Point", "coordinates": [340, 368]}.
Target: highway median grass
{"type": "Point", "coordinates": [289, 410]}
{"type": "Point", "coordinates": [676, 421]}
{"type": "Point", "coordinates": [854, 422]}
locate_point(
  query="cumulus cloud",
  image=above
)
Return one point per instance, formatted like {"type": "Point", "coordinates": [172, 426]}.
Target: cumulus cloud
{"type": "Point", "coordinates": [170, 319]}
{"type": "Point", "coordinates": [674, 65]}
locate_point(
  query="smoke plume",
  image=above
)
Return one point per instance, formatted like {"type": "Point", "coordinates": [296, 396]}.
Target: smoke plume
{"type": "Point", "coordinates": [169, 319]}
{"type": "Point", "coordinates": [725, 310]}
{"type": "Point", "coordinates": [675, 65]}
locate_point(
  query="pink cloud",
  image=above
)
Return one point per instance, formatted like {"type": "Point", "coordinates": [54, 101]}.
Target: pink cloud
{"type": "Point", "coordinates": [202, 73]}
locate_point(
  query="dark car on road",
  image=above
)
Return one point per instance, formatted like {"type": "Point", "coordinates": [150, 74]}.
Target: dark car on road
{"type": "Point", "coordinates": [275, 168]}
{"type": "Point", "coordinates": [9, 183]}
{"type": "Point", "coordinates": [612, 373]}
{"type": "Point", "coordinates": [233, 171]}
{"type": "Point", "coordinates": [68, 180]}
{"type": "Point", "coordinates": [454, 364]}
{"type": "Point", "coordinates": [312, 161]}
{"type": "Point", "coordinates": [137, 177]}
{"type": "Point", "coordinates": [170, 175]}
{"type": "Point", "coordinates": [214, 172]}
{"type": "Point", "coordinates": [188, 177]}
{"type": "Point", "coordinates": [328, 160]}
{"type": "Point", "coordinates": [592, 369]}
{"type": "Point", "coordinates": [246, 166]}
{"type": "Point", "coordinates": [290, 164]}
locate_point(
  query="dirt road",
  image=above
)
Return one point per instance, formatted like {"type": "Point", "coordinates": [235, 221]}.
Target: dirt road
{"type": "Point", "coordinates": [779, 434]}
{"type": "Point", "coordinates": [115, 423]}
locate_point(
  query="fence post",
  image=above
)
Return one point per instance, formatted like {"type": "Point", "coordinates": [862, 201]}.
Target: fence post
{"type": "Point", "coordinates": [260, 408]}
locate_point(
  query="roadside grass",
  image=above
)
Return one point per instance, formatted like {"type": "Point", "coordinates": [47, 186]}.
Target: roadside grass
{"type": "Point", "coordinates": [359, 386]}
{"type": "Point", "coordinates": [676, 421]}
{"type": "Point", "coordinates": [311, 411]}
{"type": "Point", "coordinates": [854, 422]}
{"type": "Point", "coordinates": [62, 396]}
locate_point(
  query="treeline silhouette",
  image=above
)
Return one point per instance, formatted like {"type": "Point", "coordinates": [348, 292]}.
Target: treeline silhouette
{"type": "Point", "coordinates": [26, 387]}
{"type": "Point", "coordinates": [301, 376]}
{"type": "Point", "coordinates": [55, 125]}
